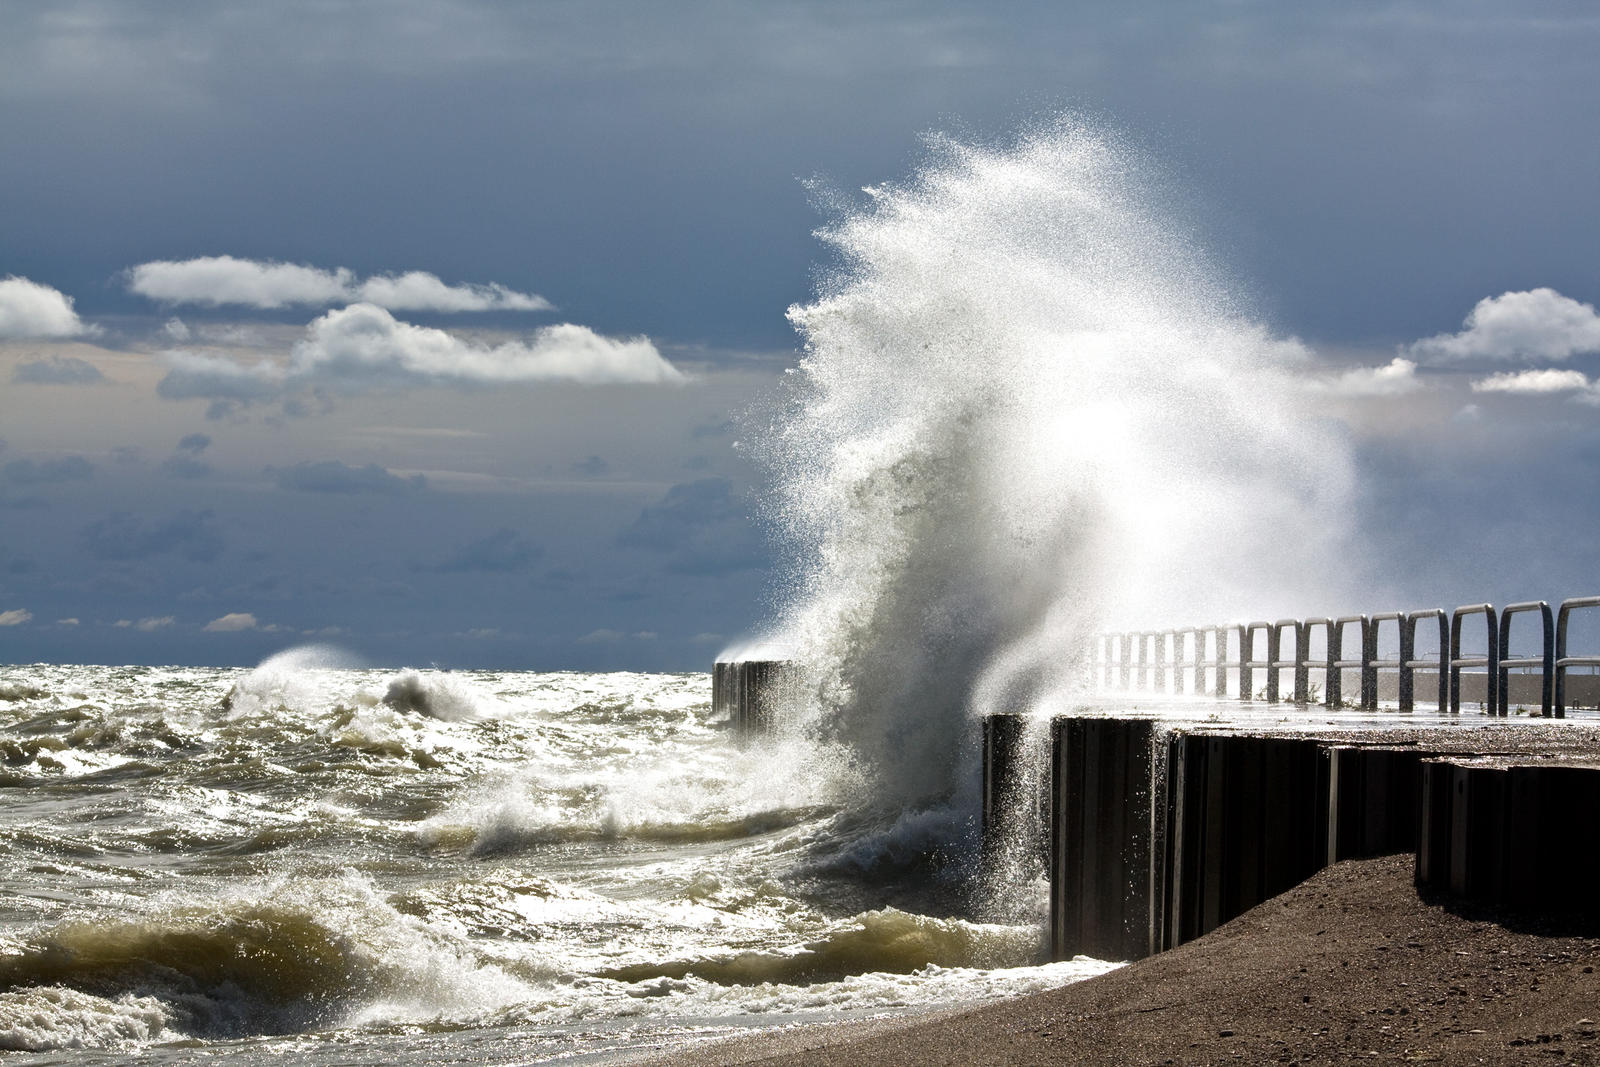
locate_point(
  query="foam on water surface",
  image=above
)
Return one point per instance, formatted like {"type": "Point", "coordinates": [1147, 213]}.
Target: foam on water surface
{"type": "Point", "coordinates": [298, 858]}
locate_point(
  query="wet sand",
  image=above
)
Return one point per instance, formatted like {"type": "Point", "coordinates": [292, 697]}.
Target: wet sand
{"type": "Point", "coordinates": [1350, 966]}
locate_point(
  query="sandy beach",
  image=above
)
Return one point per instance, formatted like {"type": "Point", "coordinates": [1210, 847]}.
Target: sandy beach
{"type": "Point", "coordinates": [1350, 966]}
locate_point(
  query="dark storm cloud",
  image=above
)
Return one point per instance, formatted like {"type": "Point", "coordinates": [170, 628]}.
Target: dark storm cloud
{"type": "Point", "coordinates": [57, 370]}
{"type": "Point", "coordinates": [192, 535]}
{"type": "Point", "coordinates": [48, 471]}
{"type": "Point", "coordinates": [502, 552]}
{"type": "Point", "coordinates": [194, 443]}
{"type": "Point", "coordinates": [700, 528]}
{"type": "Point", "coordinates": [332, 476]}
{"type": "Point", "coordinates": [1344, 147]}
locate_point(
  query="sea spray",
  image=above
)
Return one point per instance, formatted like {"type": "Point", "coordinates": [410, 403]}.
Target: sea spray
{"type": "Point", "coordinates": [1027, 406]}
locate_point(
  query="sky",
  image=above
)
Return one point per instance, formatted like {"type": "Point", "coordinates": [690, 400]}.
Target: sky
{"type": "Point", "coordinates": [433, 330]}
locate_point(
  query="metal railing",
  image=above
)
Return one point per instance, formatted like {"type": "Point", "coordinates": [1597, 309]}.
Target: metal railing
{"type": "Point", "coordinates": [1140, 660]}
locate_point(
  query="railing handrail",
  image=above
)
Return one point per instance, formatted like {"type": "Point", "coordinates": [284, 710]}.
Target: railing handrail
{"type": "Point", "coordinates": [1159, 659]}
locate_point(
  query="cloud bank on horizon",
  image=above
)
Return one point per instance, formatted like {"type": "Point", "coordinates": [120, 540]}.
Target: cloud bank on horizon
{"type": "Point", "coordinates": [695, 531]}
{"type": "Point", "coordinates": [362, 346]}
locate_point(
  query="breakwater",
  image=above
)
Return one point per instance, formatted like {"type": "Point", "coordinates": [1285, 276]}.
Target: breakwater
{"type": "Point", "coordinates": [1219, 766]}
{"type": "Point", "coordinates": [1158, 828]}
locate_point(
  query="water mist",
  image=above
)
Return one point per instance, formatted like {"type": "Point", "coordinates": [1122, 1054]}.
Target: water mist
{"type": "Point", "coordinates": [1027, 407]}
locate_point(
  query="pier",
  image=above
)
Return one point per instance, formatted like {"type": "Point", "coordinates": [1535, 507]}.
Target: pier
{"type": "Point", "coordinates": [1211, 773]}
{"type": "Point", "coordinates": [1218, 766]}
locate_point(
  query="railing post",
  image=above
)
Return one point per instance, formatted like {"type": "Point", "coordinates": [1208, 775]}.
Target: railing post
{"type": "Point", "coordinates": [1274, 647]}
{"type": "Point", "coordinates": [1369, 672]}
{"type": "Point", "coordinates": [1408, 652]}
{"type": "Point", "coordinates": [1246, 682]}
{"type": "Point", "coordinates": [1546, 661]}
{"type": "Point", "coordinates": [1337, 664]}
{"type": "Point", "coordinates": [1409, 634]}
{"type": "Point", "coordinates": [1302, 669]}
{"type": "Point", "coordinates": [1332, 679]}
{"type": "Point", "coordinates": [1563, 661]}
{"type": "Point", "coordinates": [1490, 661]}
{"type": "Point", "coordinates": [1219, 648]}
{"type": "Point", "coordinates": [1189, 662]}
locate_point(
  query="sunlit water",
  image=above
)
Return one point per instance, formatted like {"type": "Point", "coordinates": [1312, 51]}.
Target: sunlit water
{"type": "Point", "coordinates": [371, 866]}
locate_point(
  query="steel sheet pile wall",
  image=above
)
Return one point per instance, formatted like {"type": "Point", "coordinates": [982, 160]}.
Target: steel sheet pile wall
{"type": "Point", "coordinates": [1510, 835]}
{"type": "Point", "coordinates": [1373, 799]}
{"type": "Point", "coordinates": [1248, 819]}
{"type": "Point", "coordinates": [1158, 836]}
{"type": "Point", "coordinates": [1108, 824]}
{"type": "Point", "coordinates": [751, 693]}
{"type": "Point", "coordinates": [1015, 795]}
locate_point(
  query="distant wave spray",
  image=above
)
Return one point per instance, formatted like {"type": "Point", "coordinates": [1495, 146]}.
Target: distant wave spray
{"type": "Point", "coordinates": [1027, 406]}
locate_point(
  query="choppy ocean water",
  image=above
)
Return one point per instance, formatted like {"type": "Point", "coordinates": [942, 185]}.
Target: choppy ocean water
{"type": "Point", "coordinates": [367, 866]}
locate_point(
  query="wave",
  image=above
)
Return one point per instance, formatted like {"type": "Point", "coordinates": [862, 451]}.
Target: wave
{"type": "Point", "coordinates": [306, 955]}
{"type": "Point", "coordinates": [884, 941]}
{"type": "Point", "coordinates": [513, 826]}
{"type": "Point", "coordinates": [18, 691]}
{"type": "Point", "coordinates": [438, 696]}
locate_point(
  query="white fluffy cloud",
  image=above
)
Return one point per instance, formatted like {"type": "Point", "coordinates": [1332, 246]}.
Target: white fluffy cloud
{"type": "Point", "coordinates": [1533, 382]}
{"type": "Point", "coordinates": [363, 343]}
{"type": "Point", "coordinates": [233, 622]}
{"type": "Point", "coordinates": [29, 309]}
{"type": "Point", "coordinates": [362, 347]}
{"type": "Point", "coordinates": [1396, 378]}
{"type": "Point", "coordinates": [15, 617]}
{"type": "Point", "coordinates": [1538, 324]}
{"type": "Point", "coordinates": [218, 280]}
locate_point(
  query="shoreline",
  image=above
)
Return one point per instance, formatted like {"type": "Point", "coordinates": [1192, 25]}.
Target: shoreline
{"type": "Point", "coordinates": [1352, 965]}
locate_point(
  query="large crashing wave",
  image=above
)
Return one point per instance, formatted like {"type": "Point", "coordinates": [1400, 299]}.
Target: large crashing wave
{"type": "Point", "coordinates": [1027, 407]}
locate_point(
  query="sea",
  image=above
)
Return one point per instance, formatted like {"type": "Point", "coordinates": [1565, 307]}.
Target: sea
{"type": "Point", "coordinates": [338, 865]}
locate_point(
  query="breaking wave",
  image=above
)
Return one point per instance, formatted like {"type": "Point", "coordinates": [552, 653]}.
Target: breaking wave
{"type": "Point", "coordinates": [1028, 405]}
{"type": "Point", "coordinates": [305, 955]}
{"type": "Point", "coordinates": [885, 941]}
